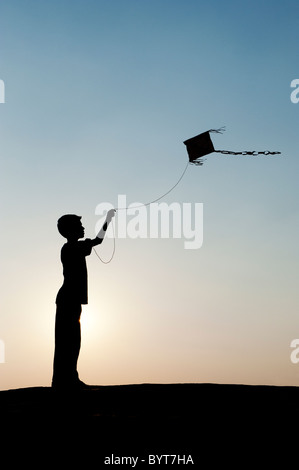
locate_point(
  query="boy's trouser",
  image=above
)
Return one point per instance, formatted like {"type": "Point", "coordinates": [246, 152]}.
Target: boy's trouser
{"type": "Point", "coordinates": [67, 343]}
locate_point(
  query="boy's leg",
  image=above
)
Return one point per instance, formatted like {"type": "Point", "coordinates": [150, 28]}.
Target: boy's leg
{"type": "Point", "coordinates": [67, 344]}
{"type": "Point", "coordinates": [76, 340]}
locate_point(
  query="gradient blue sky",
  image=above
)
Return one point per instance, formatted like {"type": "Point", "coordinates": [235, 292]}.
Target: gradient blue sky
{"type": "Point", "coordinates": [99, 98]}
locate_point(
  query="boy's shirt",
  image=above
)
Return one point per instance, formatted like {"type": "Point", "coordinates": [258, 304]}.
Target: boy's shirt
{"type": "Point", "coordinates": [74, 288]}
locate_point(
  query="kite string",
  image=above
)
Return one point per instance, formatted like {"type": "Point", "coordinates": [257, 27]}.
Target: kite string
{"type": "Point", "coordinates": [113, 250]}
{"type": "Point", "coordinates": [158, 199]}
{"type": "Point", "coordinates": [140, 205]}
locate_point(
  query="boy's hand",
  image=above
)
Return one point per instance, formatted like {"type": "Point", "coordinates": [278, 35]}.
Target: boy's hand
{"type": "Point", "coordinates": [110, 215]}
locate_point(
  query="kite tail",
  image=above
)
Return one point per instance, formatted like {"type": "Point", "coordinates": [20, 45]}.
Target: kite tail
{"type": "Point", "coordinates": [252, 153]}
{"type": "Point", "coordinates": [218, 131]}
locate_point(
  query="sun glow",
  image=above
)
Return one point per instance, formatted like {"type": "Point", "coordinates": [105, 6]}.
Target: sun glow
{"type": "Point", "coordinates": [88, 320]}
{"type": "Point", "coordinates": [94, 323]}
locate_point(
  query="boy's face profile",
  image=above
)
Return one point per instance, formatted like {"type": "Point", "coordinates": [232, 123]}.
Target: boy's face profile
{"type": "Point", "coordinates": [70, 227]}
{"type": "Point", "coordinates": [77, 231]}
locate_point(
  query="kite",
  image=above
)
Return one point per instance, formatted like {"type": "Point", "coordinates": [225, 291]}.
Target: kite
{"type": "Point", "coordinates": [201, 145]}
{"type": "Point", "coordinates": [197, 147]}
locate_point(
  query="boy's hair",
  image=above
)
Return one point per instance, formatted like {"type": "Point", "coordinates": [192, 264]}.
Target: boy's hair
{"type": "Point", "coordinates": [67, 223]}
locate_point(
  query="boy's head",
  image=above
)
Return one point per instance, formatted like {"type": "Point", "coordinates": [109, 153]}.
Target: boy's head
{"type": "Point", "coordinates": [70, 227]}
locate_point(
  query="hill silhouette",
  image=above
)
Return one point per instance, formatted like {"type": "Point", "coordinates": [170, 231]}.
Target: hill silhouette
{"type": "Point", "coordinates": [217, 422]}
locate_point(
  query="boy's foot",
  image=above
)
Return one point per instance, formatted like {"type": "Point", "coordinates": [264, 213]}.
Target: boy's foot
{"type": "Point", "coordinates": [73, 385]}
{"type": "Point", "coordinates": [79, 385]}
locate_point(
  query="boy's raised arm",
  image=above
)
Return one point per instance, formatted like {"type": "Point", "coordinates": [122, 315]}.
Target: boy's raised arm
{"type": "Point", "coordinates": [100, 236]}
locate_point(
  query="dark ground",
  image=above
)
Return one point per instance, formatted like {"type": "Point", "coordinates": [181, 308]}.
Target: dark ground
{"type": "Point", "coordinates": [241, 426]}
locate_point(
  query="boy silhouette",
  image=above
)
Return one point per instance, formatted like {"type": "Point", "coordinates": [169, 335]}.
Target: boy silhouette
{"type": "Point", "coordinates": [70, 298]}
